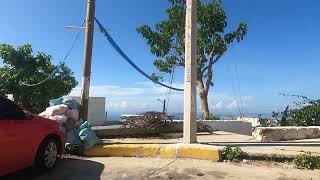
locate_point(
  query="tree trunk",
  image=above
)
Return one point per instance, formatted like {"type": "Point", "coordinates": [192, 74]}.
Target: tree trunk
{"type": "Point", "coordinates": [204, 105]}
{"type": "Point", "coordinates": [203, 92]}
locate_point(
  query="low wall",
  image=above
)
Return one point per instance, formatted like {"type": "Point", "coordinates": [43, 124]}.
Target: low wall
{"type": "Point", "coordinates": [233, 126]}
{"type": "Point", "coordinates": [268, 134]}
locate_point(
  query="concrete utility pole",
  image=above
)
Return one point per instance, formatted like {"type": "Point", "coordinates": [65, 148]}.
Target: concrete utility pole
{"type": "Point", "coordinates": [87, 59]}
{"type": "Point", "coordinates": [189, 119]}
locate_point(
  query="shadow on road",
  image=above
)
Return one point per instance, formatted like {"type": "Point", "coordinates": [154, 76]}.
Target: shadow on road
{"type": "Point", "coordinates": [65, 169]}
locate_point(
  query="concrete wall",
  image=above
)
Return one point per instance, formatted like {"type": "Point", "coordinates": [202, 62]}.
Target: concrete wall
{"type": "Point", "coordinates": [97, 110]}
{"type": "Point", "coordinates": [268, 134]}
{"type": "Point", "coordinates": [233, 126]}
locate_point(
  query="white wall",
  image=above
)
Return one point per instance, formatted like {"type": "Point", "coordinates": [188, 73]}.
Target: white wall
{"type": "Point", "coordinates": [233, 126]}
{"type": "Point", "coordinates": [97, 111]}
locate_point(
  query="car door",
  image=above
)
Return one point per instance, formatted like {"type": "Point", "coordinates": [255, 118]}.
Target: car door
{"type": "Point", "coordinates": [15, 145]}
{"type": "Point", "coordinates": [5, 144]}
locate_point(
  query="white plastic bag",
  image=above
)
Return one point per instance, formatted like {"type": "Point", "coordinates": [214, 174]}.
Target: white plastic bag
{"type": "Point", "coordinates": [73, 114]}
{"type": "Point", "coordinates": [60, 118]}
{"type": "Point", "coordinates": [57, 110]}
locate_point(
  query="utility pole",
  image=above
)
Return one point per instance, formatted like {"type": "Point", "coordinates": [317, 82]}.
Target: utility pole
{"type": "Point", "coordinates": [164, 105]}
{"type": "Point", "coordinates": [87, 59]}
{"type": "Point", "coordinates": [189, 119]}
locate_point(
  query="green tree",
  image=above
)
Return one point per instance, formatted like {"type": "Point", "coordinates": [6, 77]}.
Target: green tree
{"type": "Point", "coordinates": [21, 66]}
{"type": "Point", "coordinates": [166, 41]}
{"type": "Point", "coordinates": [305, 112]}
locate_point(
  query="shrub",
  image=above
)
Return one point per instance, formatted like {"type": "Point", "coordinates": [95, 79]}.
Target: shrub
{"type": "Point", "coordinates": [211, 117]}
{"type": "Point", "coordinates": [232, 154]}
{"type": "Point", "coordinates": [307, 160]}
{"type": "Point", "coordinates": [303, 113]}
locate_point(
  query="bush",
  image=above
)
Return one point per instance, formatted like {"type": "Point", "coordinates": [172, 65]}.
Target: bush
{"type": "Point", "coordinates": [307, 160]}
{"type": "Point", "coordinates": [232, 154]}
{"type": "Point", "coordinates": [211, 117]}
{"type": "Point", "coordinates": [302, 113]}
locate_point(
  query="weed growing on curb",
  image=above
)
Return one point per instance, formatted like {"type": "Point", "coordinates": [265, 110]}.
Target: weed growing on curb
{"type": "Point", "coordinates": [307, 160]}
{"type": "Point", "coordinates": [232, 154]}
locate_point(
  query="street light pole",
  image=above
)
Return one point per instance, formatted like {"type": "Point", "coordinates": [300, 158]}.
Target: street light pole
{"type": "Point", "coordinates": [87, 59]}
{"type": "Point", "coordinates": [189, 119]}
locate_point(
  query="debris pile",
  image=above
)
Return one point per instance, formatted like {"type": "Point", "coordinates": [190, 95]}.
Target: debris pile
{"type": "Point", "coordinates": [148, 120]}
{"type": "Point", "coordinates": [65, 111]}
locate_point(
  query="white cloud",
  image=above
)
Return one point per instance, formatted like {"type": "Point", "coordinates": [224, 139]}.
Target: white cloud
{"type": "Point", "coordinates": [143, 97]}
{"type": "Point", "coordinates": [109, 91]}
{"type": "Point", "coordinates": [217, 106]}
{"type": "Point", "coordinates": [233, 105]}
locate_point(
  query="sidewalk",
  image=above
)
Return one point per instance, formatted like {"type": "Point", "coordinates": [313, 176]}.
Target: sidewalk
{"type": "Point", "coordinates": [219, 139]}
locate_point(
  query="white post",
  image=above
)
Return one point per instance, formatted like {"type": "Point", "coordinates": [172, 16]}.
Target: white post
{"type": "Point", "coordinates": [189, 119]}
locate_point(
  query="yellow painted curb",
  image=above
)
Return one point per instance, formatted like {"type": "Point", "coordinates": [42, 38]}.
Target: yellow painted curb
{"type": "Point", "coordinates": [148, 151]}
{"type": "Point", "coordinates": [199, 152]}
{"type": "Point", "coordinates": [195, 151]}
{"type": "Point", "coordinates": [168, 152]}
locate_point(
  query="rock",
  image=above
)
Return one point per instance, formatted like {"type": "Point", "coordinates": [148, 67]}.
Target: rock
{"type": "Point", "coordinates": [269, 134]}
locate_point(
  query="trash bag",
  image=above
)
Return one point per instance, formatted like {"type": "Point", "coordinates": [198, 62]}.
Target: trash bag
{"type": "Point", "coordinates": [79, 123]}
{"type": "Point", "coordinates": [59, 118]}
{"type": "Point", "coordinates": [70, 102]}
{"type": "Point", "coordinates": [64, 130]}
{"type": "Point", "coordinates": [87, 135]}
{"type": "Point", "coordinates": [72, 137]}
{"type": "Point", "coordinates": [45, 114]}
{"type": "Point", "coordinates": [55, 102]}
{"type": "Point", "coordinates": [85, 125]}
{"type": "Point", "coordinates": [73, 114]}
{"type": "Point", "coordinates": [57, 110]}
{"type": "Point", "coordinates": [70, 124]}
{"type": "Point", "coordinates": [89, 138]}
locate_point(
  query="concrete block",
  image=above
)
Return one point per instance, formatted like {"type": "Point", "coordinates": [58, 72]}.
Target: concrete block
{"type": "Point", "coordinates": [233, 126]}
{"type": "Point", "coordinates": [268, 134]}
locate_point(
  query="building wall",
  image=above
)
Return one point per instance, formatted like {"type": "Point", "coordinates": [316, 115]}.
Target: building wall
{"type": "Point", "coordinates": [96, 111]}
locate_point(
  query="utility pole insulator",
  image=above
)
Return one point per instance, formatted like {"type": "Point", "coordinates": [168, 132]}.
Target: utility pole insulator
{"type": "Point", "coordinates": [87, 59]}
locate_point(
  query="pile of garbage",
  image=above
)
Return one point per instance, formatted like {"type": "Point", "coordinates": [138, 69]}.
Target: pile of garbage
{"type": "Point", "coordinates": [149, 120]}
{"type": "Point", "coordinates": [65, 111]}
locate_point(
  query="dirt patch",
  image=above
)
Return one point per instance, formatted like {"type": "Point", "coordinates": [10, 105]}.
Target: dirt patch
{"type": "Point", "coordinates": [217, 174]}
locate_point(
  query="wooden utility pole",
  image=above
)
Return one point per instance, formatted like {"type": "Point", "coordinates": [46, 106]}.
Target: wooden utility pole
{"type": "Point", "coordinates": [87, 59]}
{"type": "Point", "coordinates": [189, 117]}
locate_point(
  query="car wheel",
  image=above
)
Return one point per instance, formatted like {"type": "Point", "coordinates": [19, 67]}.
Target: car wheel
{"type": "Point", "coordinates": [48, 154]}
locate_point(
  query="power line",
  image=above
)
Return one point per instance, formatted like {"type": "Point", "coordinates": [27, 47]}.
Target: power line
{"type": "Point", "coordinates": [58, 67]}
{"type": "Point", "coordinates": [238, 83]}
{"type": "Point", "coordinates": [234, 91]}
{"type": "Point", "coordinates": [169, 90]}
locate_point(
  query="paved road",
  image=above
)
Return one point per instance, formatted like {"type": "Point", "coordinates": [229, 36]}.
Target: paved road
{"type": "Point", "coordinates": [156, 168]}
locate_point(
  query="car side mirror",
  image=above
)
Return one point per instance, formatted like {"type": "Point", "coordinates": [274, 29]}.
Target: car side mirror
{"type": "Point", "coordinates": [28, 115]}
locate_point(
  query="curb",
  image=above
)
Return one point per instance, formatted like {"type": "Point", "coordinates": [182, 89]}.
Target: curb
{"type": "Point", "coordinates": [194, 151]}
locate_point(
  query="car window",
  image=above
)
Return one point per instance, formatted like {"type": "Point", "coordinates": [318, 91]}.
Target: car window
{"type": "Point", "coordinates": [10, 111]}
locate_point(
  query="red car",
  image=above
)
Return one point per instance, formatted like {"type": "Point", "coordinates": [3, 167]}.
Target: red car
{"type": "Point", "coordinates": [27, 139]}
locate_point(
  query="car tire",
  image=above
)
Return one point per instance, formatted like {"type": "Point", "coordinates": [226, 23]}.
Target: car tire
{"type": "Point", "coordinates": [47, 154]}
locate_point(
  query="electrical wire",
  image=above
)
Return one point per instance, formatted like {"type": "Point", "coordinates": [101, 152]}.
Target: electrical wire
{"type": "Point", "coordinates": [51, 75]}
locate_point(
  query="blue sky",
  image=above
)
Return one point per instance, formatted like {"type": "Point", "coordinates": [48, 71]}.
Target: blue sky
{"type": "Point", "coordinates": [279, 54]}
